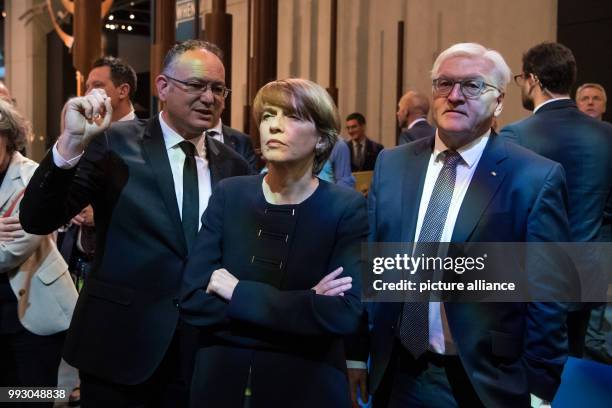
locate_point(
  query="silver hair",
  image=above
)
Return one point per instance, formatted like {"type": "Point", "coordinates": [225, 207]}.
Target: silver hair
{"type": "Point", "coordinates": [592, 85]}
{"type": "Point", "coordinates": [501, 71]}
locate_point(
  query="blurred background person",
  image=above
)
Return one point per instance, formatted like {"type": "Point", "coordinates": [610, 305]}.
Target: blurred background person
{"type": "Point", "coordinates": [37, 296]}
{"type": "Point", "coordinates": [262, 263]}
{"type": "Point", "coordinates": [364, 150]}
{"type": "Point", "coordinates": [412, 110]}
{"type": "Point", "coordinates": [337, 169]}
{"type": "Point", "coordinates": [591, 99]}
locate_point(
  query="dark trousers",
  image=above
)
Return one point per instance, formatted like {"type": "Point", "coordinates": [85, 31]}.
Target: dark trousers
{"type": "Point", "coordinates": [432, 380]}
{"type": "Point", "coordinates": [30, 360]}
{"type": "Point", "coordinates": [167, 387]}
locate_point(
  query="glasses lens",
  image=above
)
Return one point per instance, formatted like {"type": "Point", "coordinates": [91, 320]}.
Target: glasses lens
{"type": "Point", "coordinates": [443, 86]}
{"type": "Point", "coordinates": [472, 88]}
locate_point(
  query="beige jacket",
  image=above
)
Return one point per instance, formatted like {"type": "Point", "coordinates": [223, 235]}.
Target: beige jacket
{"type": "Point", "coordinates": [37, 272]}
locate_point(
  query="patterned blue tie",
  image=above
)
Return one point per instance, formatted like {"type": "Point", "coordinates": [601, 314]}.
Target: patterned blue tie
{"type": "Point", "coordinates": [414, 322]}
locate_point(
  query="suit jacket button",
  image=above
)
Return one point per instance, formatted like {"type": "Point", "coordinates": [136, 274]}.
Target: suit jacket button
{"type": "Point", "coordinates": [175, 301]}
{"type": "Point", "coordinates": [22, 292]}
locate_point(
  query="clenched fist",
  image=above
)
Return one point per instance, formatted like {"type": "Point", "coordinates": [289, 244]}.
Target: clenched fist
{"type": "Point", "coordinates": [84, 117]}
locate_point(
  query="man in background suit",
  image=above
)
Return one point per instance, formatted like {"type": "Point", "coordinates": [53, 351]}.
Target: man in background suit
{"type": "Point", "coordinates": [465, 185]}
{"type": "Point", "coordinates": [240, 142]}
{"type": "Point", "coordinates": [364, 151]}
{"type": "Point", "coordinates": [583, 145]}
{"type": "Point", "coordinates": [412, 110]}
{"type": "Point", "coordinates": [591, 99]}
{"type": "Point", "coordinates": [149, 183]}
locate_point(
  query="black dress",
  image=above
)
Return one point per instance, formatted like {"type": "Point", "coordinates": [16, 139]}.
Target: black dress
{"type": "Point", "coordinates": [276, 334]}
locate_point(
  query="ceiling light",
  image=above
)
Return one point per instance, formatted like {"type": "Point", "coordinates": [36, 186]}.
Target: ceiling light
{"type": "Point", "coordinates": [131, 17]}
{"type": "Point", "coordinates": [111, 17]}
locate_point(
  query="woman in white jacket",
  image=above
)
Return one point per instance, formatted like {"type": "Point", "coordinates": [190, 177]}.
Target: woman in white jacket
{"type": "Point", "coordinates": [37, 295]}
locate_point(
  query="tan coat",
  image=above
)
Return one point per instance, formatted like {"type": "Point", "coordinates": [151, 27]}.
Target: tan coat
{"type": "Point", "coordinates": [37, 272]}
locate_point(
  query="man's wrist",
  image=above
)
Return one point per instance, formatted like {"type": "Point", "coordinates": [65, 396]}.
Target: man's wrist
{"type": "Point", "coordinates": [70, 146]}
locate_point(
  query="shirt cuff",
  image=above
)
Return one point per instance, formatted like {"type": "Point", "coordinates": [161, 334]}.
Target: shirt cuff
{"type": "Point", "coordinates": [63, 163]}
{"type": "Point", "coordinates": [354, 364]}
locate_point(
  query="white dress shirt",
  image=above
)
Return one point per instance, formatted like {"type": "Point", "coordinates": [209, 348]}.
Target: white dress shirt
{"type": "Point", "coordinates": [440, 340]}
{"type": "Point", "coordinates": [177, 160]}
{"type": "Point", "coordinates": [176, 156]}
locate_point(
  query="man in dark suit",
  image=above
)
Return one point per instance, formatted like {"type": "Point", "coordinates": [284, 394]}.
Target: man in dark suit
{"type": "Point", "coordinates": [412, 110]}
{"type": "Point", "coordinates": [583, 145]}
{"type": "Point", "coordinates": [465, 185]}
{"type": "Point", "coordinates": [148, 183]}
{"type": "Point", "coordinates": [240, 142]}
{"type": "Point", "coordinates": [364, 151]}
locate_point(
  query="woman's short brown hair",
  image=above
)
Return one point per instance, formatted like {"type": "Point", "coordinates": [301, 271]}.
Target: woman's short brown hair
{"type": "Point", "coordinates": [308, 101]}
{"type": "Point", "coordinates": [13, 126]}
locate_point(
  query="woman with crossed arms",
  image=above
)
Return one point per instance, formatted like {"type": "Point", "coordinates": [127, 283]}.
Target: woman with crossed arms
{"type": "Point", "coordinates": [258, 284]}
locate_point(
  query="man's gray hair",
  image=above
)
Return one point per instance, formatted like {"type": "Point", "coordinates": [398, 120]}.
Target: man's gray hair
{"type": "Point", "coordinates": [501, 71]}
{"type": "Point", "coordinates": [591, 85]}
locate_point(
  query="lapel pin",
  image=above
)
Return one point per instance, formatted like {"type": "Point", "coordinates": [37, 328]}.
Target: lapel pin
{"type": "Point", "coordinates": [493, 173]}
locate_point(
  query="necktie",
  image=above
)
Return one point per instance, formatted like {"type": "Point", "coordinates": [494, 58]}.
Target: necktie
{"type": "Point", "coordinates": [191, 197]}
{"type": "Point", "coordinates": [359, 155]}
{"type": "Point", "coordinates": [414, 322]}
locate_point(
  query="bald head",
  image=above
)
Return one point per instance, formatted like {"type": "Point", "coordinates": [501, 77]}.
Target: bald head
{"type": "Point", "coordinates": [412, 106]}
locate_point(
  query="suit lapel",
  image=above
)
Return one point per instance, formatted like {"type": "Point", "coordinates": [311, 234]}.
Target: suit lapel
{"type": "Point", "coordinates": [413, 179]}
{"type": "Point", "coordinates": [228, 137]}
{"type": "Point", "coordinates": [8, 188]}
{"type": "Point", "coordinates": [154, 149]}
{"type": "Point", "coordinates": [220, 165]}
{"type": "Point", "coordinates": [483, 186]}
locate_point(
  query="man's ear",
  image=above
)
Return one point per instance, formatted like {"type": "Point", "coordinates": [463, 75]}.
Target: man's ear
{"type": "Point", "coordinates": [500, 105]}
{"type": "Point", "coordinates": [162, 84]}
{"type": "Point", "coordinates": [124, 91]}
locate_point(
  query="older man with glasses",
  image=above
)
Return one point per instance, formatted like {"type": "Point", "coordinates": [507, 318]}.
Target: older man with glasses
{"type": "Point", "coordinates": [464, 184]}
{"type": "Point", "coordinates": [149, 183]}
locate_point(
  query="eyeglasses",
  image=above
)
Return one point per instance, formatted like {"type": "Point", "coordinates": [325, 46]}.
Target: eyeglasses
{"type": "Point", "coordinates": [519, 79]}
{"type": "Point", "coordinates": [198, 88]}
{"type": "Point", "coordinates": [470, 88]}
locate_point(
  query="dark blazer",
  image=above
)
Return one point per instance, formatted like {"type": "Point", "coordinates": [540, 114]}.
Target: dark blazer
{"type": "Point", "coordinates": [275, 326]}
{"type": "Point", "coordinates": [583, 146]}
{"type": "Point", "coordinates": [127, 312]}
{"type": "Point", "coordinates": [507, 350]}
{"type": "Point", "coordinates": [241, 143]}
{"type": "Point", "coordinates": [372, 149]}
{"type": "Point", "coordinates": [420, 130]}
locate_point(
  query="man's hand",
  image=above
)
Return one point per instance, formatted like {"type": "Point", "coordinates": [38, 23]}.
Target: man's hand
{"type": "Point", "coordinates": [84, 117]}
{"type": "Point", "coordinates": [222, 283]}
{"type": "Point", "coordinates": [10, 229]}
{"type": "Point", "coordinates": [330, 286]}
{"type": "Point", "coordinates": [84, 218]}
{"type": "Point", "coordinates": [358, 380]}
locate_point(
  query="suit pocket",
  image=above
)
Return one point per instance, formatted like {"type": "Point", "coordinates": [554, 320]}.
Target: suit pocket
{"type": "Point", "coordinates": [50, 272]}
{"type": "Point", "coordinates": [106, 291]}
{"type": "Point", "coordinates": [506, 345]}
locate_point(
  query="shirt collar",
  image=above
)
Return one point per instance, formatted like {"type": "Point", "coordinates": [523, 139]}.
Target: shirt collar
{"type": "Point", "coordinates": [549, 101]}
{"type": "Point", "coordinates": [172, 139]}
{"type": "Point", "coordinates": [470, 153]}
{"type": "Point", "coordinates": [414, 122]}
{"type": "Point", "coordinates": [218, 128]}
{"type": "Point", "coordinates": [130, 116]}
